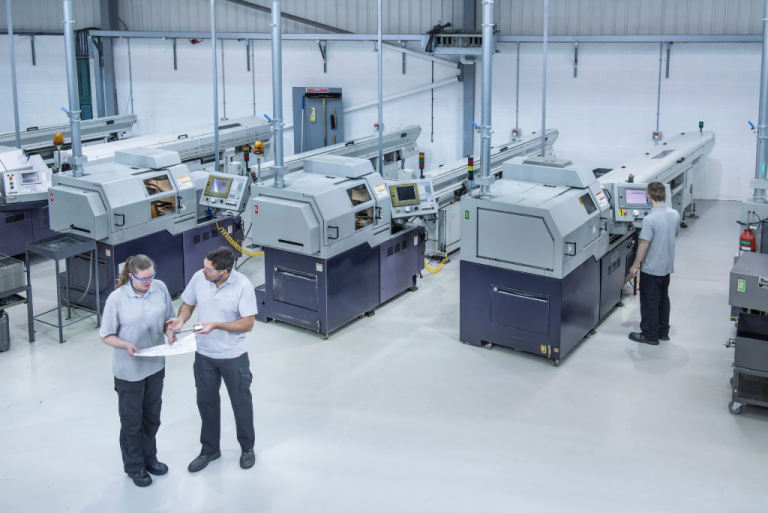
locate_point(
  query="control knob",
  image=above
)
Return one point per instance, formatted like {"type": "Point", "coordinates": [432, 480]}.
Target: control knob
{"type": "Point", "coordinates": [636, 213]}
{"type": "Point", "coordinates": [407, 209]}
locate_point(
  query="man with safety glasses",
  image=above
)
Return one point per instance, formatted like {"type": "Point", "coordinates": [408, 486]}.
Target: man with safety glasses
{"type": "Point", "coordinates": [227, 302]}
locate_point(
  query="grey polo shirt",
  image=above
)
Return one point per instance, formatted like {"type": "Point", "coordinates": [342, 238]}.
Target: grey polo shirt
{"type": "Point", "coordinates": [140, 321]}
{"type": "Point", "coordinates": [235, 299]}
{"type": "Point", "coordinates": [660, 228]}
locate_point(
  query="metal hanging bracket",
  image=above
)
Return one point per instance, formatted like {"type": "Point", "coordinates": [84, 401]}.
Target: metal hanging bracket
{"type": "Point", "coordinates": [575, 59]}
{"type": "Point", "coordinates": [402, 43]}
{"type": "Point", "coordinates": [669, 49]}
{"type": "Point", "coordinates": [323, 52]}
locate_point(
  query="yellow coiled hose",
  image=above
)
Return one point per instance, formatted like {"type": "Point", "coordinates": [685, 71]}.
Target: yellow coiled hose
{"type": "Point", "coordinates": [236, 245]}
{"type": "Point", "coordinates": [435, 270]}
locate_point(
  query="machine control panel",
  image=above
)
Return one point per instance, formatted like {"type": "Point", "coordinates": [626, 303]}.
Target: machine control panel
{"type": "Point", "coordinates": [227, 192]}
{"type": "Point", "coordinates": [19, 183]}
{"type": "Point", "coordinates": [631, 202]}
{"type": "Point", "coordinates": [412, 198]}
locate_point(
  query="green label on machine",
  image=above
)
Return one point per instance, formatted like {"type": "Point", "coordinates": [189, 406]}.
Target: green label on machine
{"type": "Point", "coordinates": [742, 286]}
{"type": "Point", "coordinates": [466, 214]}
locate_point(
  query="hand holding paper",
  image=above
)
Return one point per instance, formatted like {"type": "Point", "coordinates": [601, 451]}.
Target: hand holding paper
{"type": "Point", "coordinates": [185, 345]}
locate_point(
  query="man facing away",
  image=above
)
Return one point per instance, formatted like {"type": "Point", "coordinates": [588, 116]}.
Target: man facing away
{"type": "Point", "coordinates": [227, 305]}
{"type": "Point", "coordinates": [657, 254]}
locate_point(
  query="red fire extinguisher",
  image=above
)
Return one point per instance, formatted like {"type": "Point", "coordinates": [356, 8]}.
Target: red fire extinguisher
{"type": "Point", "coordinates": [747, 241]}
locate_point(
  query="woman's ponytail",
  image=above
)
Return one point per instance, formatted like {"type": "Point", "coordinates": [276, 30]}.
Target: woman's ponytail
{"type": "Point", "coordinates": [133, 265]}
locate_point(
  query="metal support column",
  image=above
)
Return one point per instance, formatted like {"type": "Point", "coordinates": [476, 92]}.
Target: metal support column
{"type": "Point", "coordinates": [215, 87]}
{"type": "Point", "coordinates": [72, 88]}
{"type": "Point", "coordinates": [109, 21]}
{"type": "Point", "coordinates": [470, 68]}
{"type": "Point", "coordinates": [130, 75]}
{"type": "Point", "coordinates": [223, 83]}
{"type": "Point", "coordinates": [253, 78]}
{"type": "Point", "coordinates": [98, 77]}
{"type": "Point", "coordinates": [544, 85]}
{"type": "Point", "coordinates": [658, 92]}
{"type": "Point", "coordinates": [13, 73]}
{"type": "Point", "coordinates": [175, 58]}
{"type": "Point", "coordinates": [277, 92]}
{"type": "Point", "coordinates": [761, 169]}
{"type": "Point", "coordinates": [381, 95]}
{"type": "Point", "coordinates": [485, 129]}
{"type": "Point", "coordinates": [32, 45]}
{"type": "Point", "coordinates": [517, 91]}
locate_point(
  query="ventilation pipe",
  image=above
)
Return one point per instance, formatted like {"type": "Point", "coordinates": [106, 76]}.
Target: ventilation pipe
{"type": "Point", "coordinates": [215, 88]}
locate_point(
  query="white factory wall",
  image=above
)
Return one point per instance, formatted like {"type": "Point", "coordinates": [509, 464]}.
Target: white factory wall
{"type": "Point", "coordinates": [605, 115]}
{"type": "Point", "coordinates": [42, 89]}
{"type": "Point", "coordinates": [165, 99]}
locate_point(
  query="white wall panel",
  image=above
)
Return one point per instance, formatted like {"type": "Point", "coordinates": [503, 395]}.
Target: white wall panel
{"type": "Point", "coordinates": [513, 17]}
{"type": "Point", "coordinates": [46, 15]}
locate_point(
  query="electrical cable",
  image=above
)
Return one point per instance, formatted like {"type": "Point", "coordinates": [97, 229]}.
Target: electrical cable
{"type": "Point", "coordinates": [235, 245]}
{"type": "Point", "coordinates": [435, 270]}
{"type": "Point", "coordinates": [87, 287]}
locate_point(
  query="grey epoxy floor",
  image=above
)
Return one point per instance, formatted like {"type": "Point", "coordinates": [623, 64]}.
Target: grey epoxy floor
{"type": "Point", "coordinates": [393, 413]}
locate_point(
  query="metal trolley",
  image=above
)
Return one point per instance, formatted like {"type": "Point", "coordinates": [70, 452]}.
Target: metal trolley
{"type": "Point", "coordinates": [749, 384]}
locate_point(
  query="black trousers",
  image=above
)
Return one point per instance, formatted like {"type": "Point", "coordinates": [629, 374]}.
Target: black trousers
{"type": "Point", "coordinates": [139, 405]}
{"type": "Point", "coordinates": [236, 373]}
{"type": "Point", "coordinates": [654, 306]}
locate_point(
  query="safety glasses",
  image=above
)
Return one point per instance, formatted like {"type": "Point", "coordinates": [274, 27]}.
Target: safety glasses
{"type": "Point", "coordinates": [144, 279]}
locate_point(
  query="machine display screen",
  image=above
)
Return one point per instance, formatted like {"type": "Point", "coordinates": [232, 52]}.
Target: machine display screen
{"type": "Point", "coordinates": [588, 203]}
{"type": "Point", "coordinates": [407, 193]}
{"type": "Point", "coordinates": [29, 178]}
{"type": "Point", "coordinates": [218, 187]}
{"type": "Point", "coordinates": [636, 196]}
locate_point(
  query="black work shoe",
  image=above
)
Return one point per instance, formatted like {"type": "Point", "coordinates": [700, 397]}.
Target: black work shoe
{"type": "Point", "coordinates": [247, 459]}
{"type": "Point", "coordinates": [141, 479]}
{"type": "Point", "coordinates": [639, 337]}
{"type": "Point", "coordinates": [157, 468]}
{"type": "Point", "coordinates": [665, 339]}
{"type": "Point", "coordinates": [202, 461]}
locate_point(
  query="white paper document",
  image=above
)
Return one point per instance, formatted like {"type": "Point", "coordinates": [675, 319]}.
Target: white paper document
{"type": "Point", "coordinates": [187, 344]}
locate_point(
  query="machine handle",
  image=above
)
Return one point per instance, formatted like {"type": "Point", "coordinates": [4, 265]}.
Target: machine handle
{"type": "Point", "coordinates": [337, 232]}
{"type": "Point", "coordinates": [123, 221]}
{"type": "Point", "coordinates": [183, 136]}
{"type": "Point", "coordinates": [380, 213]}
{"type": "Point", "coordinates": [32, 129]}
{"type": "Point", "coordinates": [522, 296]}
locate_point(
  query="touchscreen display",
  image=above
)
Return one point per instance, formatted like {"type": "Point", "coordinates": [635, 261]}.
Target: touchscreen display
{"type": "Point", "coordinates": [636, 196]}
{"type": "Point", "coordinates": [219, 185]}
{"type": "Point", "coordinates": [407, 193]}
{"type": "Point", "coordinates": [30, 178]}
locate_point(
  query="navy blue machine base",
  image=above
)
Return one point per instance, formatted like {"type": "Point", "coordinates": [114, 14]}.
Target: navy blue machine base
{"type": "Point", "coordinates": [535, 314]}
{"type": "Point", "coordinates": [177, 257]}
{"type": "Point", "coordinates": [323, 295]}
{"type": "Point", "coordinates": [541, 315]}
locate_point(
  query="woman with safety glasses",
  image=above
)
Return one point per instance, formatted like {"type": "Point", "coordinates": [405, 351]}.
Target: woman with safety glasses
{"type": "Point", "coordinates": [134, 319]}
